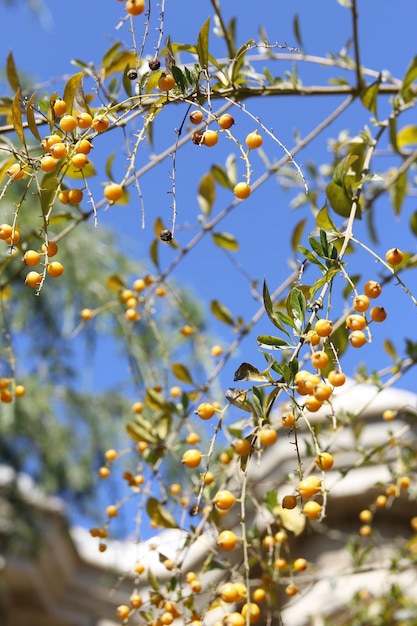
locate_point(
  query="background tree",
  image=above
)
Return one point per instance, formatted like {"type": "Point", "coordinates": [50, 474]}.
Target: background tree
{"type": "Point", "coordinates": [169, 137]}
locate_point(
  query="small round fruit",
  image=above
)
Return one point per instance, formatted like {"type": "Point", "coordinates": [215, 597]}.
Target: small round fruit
{"type": "Point", "coordinates": [336, 378]}
{"type": "Point", "coordinates": [225, 121]}
{"type": "Point", "coordinates": [267, 436]}
{"type": "Point", "coordinates": [100, 123]}
{"type": "Point", "coordinates": [110, 455]}
{"type": "Point", "coordinates": [63, 196]}
{"type": "Point", "coordinates": [312, 404]}
{"type": "Point", "coordinates": [241, 447]}
{"type": "Point", "coordinates": [288, 420]}
{"type": "Point", "coordinates": [389, 415]}
{"type": "Point", "coordinates": [79, 160]}
{"type": "Point", "coordinates": [319, 359]}
{"type": "Point", "coordinates": [191, 458]}
{"type": "Point", "coordinates": [135, 601]}
{"type": "Point", "coordinates": [123, 611]}
{"type": "Point", "coordinates": [33, 279]}
{"type": "Point", "coordinates": [113, 192]}
{"type": "Point", "coordinates": [355, 322]}
{"type": "Point", "coordinates": [289, 502]}
{"type": "Point", "coordinates": [312, 338]}
{"type": "Point", "coordinates": [254, 140]}
{"type": "Point", "coordinates": [253, 610]}
{"type": "Point", "coordinates": [210, 138]}
{"type": "Point", "coordinates": [242, 190]}
{"type": "Point", "coordinates": [196, 117]}
{"type": "Point", "coordinates": [205, 411]}
{"type": "Point", "coordinates": [52, 248]}
{"type": "Point", "coordinates": [357, 339]}
{"type": "Point", "coordinates": [366, 516]}
{"type": "Point", "coordinates": [233, 619]}
{"type": "Point", "coordinates": [308, 487]}
{"type": "Point", "coordinates": [394, 256]}
{"type": "Point", "coordinates": [112, 511]}
{"type": "Point", "coordinates": [31, 258]}
{"type": "Point", "coordinates": [48, 163]}
{"type": "Point", "coordinates": [216, 350]}
{"type": "Point", "coordinates": [60, 107]}
{"type": "Point", "coordinates": [324, 461]}
{"type": "Point", "coordinates": [84, 120]}
{"type": "Point", "coordinates": [135, 7]}
{"type": "Point", "coordinates": [372, 289]}
{"type": "Point", "coordinates": [55, 269]}
{"type": "Point", "coordinates": [83, 146]}
{"type": "Point", "coordinates": [259, 594]}
{"type": "Point", "coordinates": [224, 499]}
{"type": "Point", "coordinates": [166, 82]}
{"type": "Point", "coordinates": [300, 564]}
{"type": "Point", "coordinates": [68, 123]}
{"type": "Point", "coordinates": [365, 530]}
{"type": "Point", "coordinates": [361, 303]}
{"type": "Point", "coordinates": [59, 150]}
{"type": "Point", "coordinates": [323, 328]}
{"type": "Point", "coordinates": [227, 540]}
{"type": "Point", "coordinates": [381, 501]}
{"type": "Point", "coordinates": [280, 563]}
{"type": "Point", "coordinates": [322, 392]}
{"type": "Point", "coordinates": [104, 472]}
{"type": "Point", "coordinates": [75, 196]}
{"type": "Point", "coordinates": [312, 510]}
{"type": "Point", "coordinates": [15, 171]}
{"type": "Point", "coordinates": [378, 314]}
{"type": "Point", "coordinates": [291, 589]}
{"type": "Point", "coordinates": [229, 593]}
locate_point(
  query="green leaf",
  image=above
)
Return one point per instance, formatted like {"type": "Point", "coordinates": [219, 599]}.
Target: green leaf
{"type": "Point", "coordinates": [239, 398]}
{"type": "Point", "coordinates": [163, 426]}
{"type": "Point", "coordinates": [339, 200]}
{"type": "Point", "coordinates": [297, 233]}
{"type": "Point", "coordinates": [221, 312]}
{"type": "Point", "coordinates": [398, 192]}
{"type": "Point", "coordinates": [296, 307]}
{"type": "Point", "coordinates": [413, 223]}
{"type": "Point", "coordinates": [272, 343]}
{"type": "Point", "coordinates": [239, 60]}
{"type": "Point", "coordinates": [369, 96]}
{"type": "Point", "coordinates": [226, 241]}
{"type": "Point", "coordinates": [159, 515]}
{"type": "Point", "coordinates": [115, 283]}
{"type": "Point", "coordinates": [310, 257]}
{"type": "Point", "coordinates": [11, 72]}
{"type": "Point", "coordinates": [390, 350]}
{"type": "Point", "coordinates": [323, 219]}
{"type": "Point", "coordinates": [407, 136]}
{"type": "Point", "coordinates": [221, 177]}
{"type": "Point", "coordinates": [17, 117]}
{"type": "Point", "coordinates": [181, 373]}
{"type": "Point", "coordinates": [247, 372]}
{"type": "Point", "coordinates": [206, 193]}
{"type": "Point", "coordinates": [109, 164]}
{"type": "Point", "coordinates": [269, 308]}
{"type": "Point", "coordinates": [70, 89]}
{"type": "Point", "coordinates": [231, 169]}
{"type": "Point", "coordinates": [30, 116]}
{"type": "Point", "coordinates": [154, 252]}
{"type": "Point", "coordinates": [47, 191]}
{"type": "Point", "coordinates": [179, 78]}
{"type": "Point", "coordinates": [138, 433]}
{"type": "Point", "coordinates": [119, 62]}
{"type": "Point", "coordinates": [155, 400]}
{"type": "Point", "coordinates": [203, 44]}
{"type": "Point", "coordinates": [74, 172]}
{"type": "Point", "coordinates": [406, 91]}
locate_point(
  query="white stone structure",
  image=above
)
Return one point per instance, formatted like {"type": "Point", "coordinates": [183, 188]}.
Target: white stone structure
{"type": "Point", "coordinates": [68, 583]}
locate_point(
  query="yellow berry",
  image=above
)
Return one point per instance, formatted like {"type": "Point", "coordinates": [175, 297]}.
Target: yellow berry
{"type": "Point", "coordinates": [225, 121]}
{"type": "Point", "coordinates": [48, 163]}
{"type": "Point", "coordinates": [308, 487]}
{"type": "Point", "coordinates": [196, 117]}
{"type": "Point", "coordinates": [300, 564]}
{"type": "Point", "coordinates": [55, 269]}
{"type": "Point", "coordinates": [79, 160]}
{"type": "Point", "coordinates": [217, 350]}
{"type": "Point", "coordinates": [357, 339]}
{"type": "Point", "coordinates": [394, 256]}
{"type": "Point", "coordinates": [224, 500]}
{"type": "Point", "coordinates": [31, 258]}
{"type": "Point", "coordinates": [210, 138]}
{"type": "Point", "coordinates": [312, 510]}
{"type": "Point", "coordinates": [113, 192]}
{"type": "Point", "coordinates": [288, 420]}
{"type": "Point", "coordinates": [68, 123]}
{"type": "Point", "coordinates": [205, 411]}
{"type": "Point", "coordinates": [122, 611]}
{"type": "Point", "coordinates": [241, 446]}
{"type": "Point", "coordinates": [372, 289]}
{"type": "Point", "coordinates": [242, 190]}
{"type": "Point", "coordinates": [312, 404]}
{"type": "Point", "coordinates": [60, 107]}
{"type": "Point", "coordinates": [191, 458]}
{"type": "Point", "coordinates": [336, 378]}
{"type": "Point", "coordinates": [253, 610]}
{"type": "Point", "coordinates": [388, 415]}
{"type": "Point", "coordinates": [254, 140]}
{"type": "Point", "coordinates": [112, 511]}
{"type": "Point", "coordinates": [33, 279]}
{"type": "Point", "coordinates": [322, 392]}
{"type": "Point", "coordinates": [291, 589]}
{"type": "Point", "coordinates": [84, 146]}
{"type": "Point", "coordinates": [355, 322]}
{"type": "Point", "coordinates": [227, 540]}
{"type": "Point", "coordinates": [135, 7]}
{"type": "Point", "coordinates": [100, 123]}
{"type": "Point", "coordinates": [361, 303]}
{"type": "Point", "coordinates": [15, 171]}
{"type": "Point", "coordinates": [319, 359]}
{"type": "Point", "coordinates": [59, 150]}
{"type": "Point", "coordinates": [267, 436]}
{"type": "Point", "coordinates": [84, 120]}
{"type": "Point", "coordinates": [324, 461]}
{"type": "Point", "coordinates": [135, 600]}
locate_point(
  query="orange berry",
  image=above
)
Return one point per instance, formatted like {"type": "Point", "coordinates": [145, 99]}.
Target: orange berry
{"type": "Point", "coordinates": [280, 563]}
{"type": "Point", "coordinates": [55, 269]}
{"type": "Point", "coordinates": [104, 472]}
{"type": "Point", "coordinates": [59, 150]}
{"type": "Point", "coordinates": [48, 163]}
{"type": "Point", "coordinates": [191, 458]}
{"type": "Point", "coordinates": [291, 589]}
{"type": "Point", "coordinates": [229, 593]}
{"type": "Point", "coordinates": [365, 516]}
{"type": "Point", "coordinates": [6, 396]}
{"type": "Point", "coordinates": [254, 140]}
{"type": "Point", "coordinates": [241, 446]}
{"type": "Point", "coordinates": [135, 601]}
{"type": "Point", "coordinates": [135, 7]}
{"type": "Point", "coordinates": [357, 339]}
{"type": "Point", "coordinates": [308, 487]}
{"type": "Point", "coordinates": [113, 192]}
{"type": "Point", "coordinates": [75, 196]}
{"type": "Point", "coordinates": [300, 564]}
{"type": "Point", "coordinates": [288, 420]}
{"type": "Point", "coordinates": [324, 461]}
{"type": "Point", "coordinates": [84, 120]}
{"type": "Point", "coordinates": [68, 123]}
{"type": "Point", "coordinates": [210, 138]}
{"type": "Point", "coordinates": [224, 500]}
{"type": "Point", "coordinates": [49, 141]}
{"type": "Point", "coordinates": [52, 248]}
{"type": "Point", "coordinates": [227, 540]}
{"type": "Point", "coordinates": [319, 359]}
{"type": "Point", "coordinates": [242, 190]}
{"type": "Point", "coordinates": [19, 391]}
{"type": "Point", "coordinates": [312, 404]}
{"type": "Point", "coordinates": [112, 511]}
{"type": "Point", "coordinates": [336, 378]}
{"type": "Point", "coordinates": [259, 594]}
{"type": "Point", "coordinates": [110, 455]}
{"type": "Point", "coordinates": [79, 160]}
{"type": "Point", "coordinates": [31, 258]}
{"type": "Point", "coordinates": [196, 117]}
{"type": "Point", "coordinates": [289, 502]}
{"type": "Point", "coordinates": [355, 322]}
{"type": "Point", "coordinates": [205, 411]}
{"type": "Point", "coordinates": [365, 530]}
{"type": "Point", "coordinates": [322, 392]}
{"type": "Point", "coordinates": [166, 82]}
{"type": "Point", "coordinates": [137, 407]}
{"type": "Point", "coordinates": [312, 338]}
{"type": "Point", "coordinates": [100, 123]}
{"type": "Point", "coordinates": [84, 146]}
{"type": "Point", "coordinates": [323, 328]}
{"type": "Point", "coordinates": [394, 256]}
{"type": "Point", "coordinates": [253, 610]}
{"type": "Point", "coordinates": [217, 350]}
{"type": "Point", "coordinates": [312, 509]}
{"type": "Point", "coordinates": [378, 314]}
{"type": "Point", "coordinates": [381, 501]}
{"type": "Point", "coordinates": [361, 303]}
{"type": "Point", "coordinates": [192, 439]}
{"type": "Point", "coordinates": [372, 289]}
{"type": "Point", "coordinates": [267, 436]}
{"type": "Point", "coordinates": [15, 171]}
{"type": "Point", "coordinates": [225, 121]}
{"type": "Point", "coordinates": [122, 611]}
{"type": "Point", "coordinates": [63, 196]}
{"type": "Point", "coordinates": [59, 107]}
{"type": "Point", "coordinates": [187, 330]}
{"type": "Point", "coordinates": [208, 478]}
{"type": "Point", "coordinates": [33, 279]}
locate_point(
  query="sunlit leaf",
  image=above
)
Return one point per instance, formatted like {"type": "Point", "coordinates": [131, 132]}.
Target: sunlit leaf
{"type": "Point", "coordinates": [154, 399]}
{"type": "Point", "coordinates": [221, 312]}
{"type": "Point", "coordinates": [70, 89]}
{"type": "Point", "coordinates": [181, 372]}
{"type": "Point", "coordinates": [221, 177]}
{"type": "Point", "coordinates": [163, 426]}
{"type": "Point", "coordinates": [272, 343]}
{"type": "Point", "coordinates": [138, 433]}
{"type": "Point", "coordinates": [30, 116]}
{"type": "Point", "coordinates": [203, 44]}
{"type": "Point", "coordinates": [291, 519]}
{"type": "Point", "coordinates": [239, 398]}
{"type": "Point", "coordinates": [339, 201]}
{"type": "Point", "coordinates": [118, 63]}
{"type": "Point", "coordinates": [398, 192]}
{"type": "Point", "coordinates": [206, 193]}
{"type": "Point", "coordinates": [390, 349]}
{"type": "Point", "coordinates": [154, 252]}
{"type": "Point", "coordinates": [323, 219]}
{"type": "Point", "coordinates": [17, 117]}
{"type": "Point", "coordinates": [11, 72]}
{"type": "Point", "coordinates": [86, 172]}
{"type": "Point", "coordinates": [410, 77]}
{"type": "Point", "coordinates": [297, 233]}
{"type": "Point", "coordinates": [407, 136]}
{"type": "Point", "coordinates": [115, 283]}
{"type": "Point", "coordinates": [226, 241]}
{"type": "Point", "coordinates": [369, 96]}
{"type": "Point", "coordinates": [159, 515]}
{"type": "Point", "coordinates": [413, 223]}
